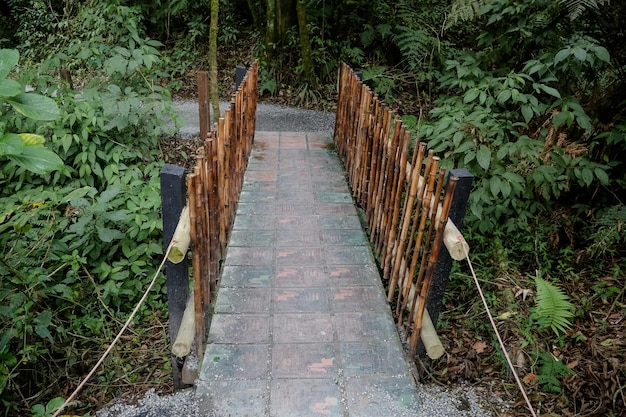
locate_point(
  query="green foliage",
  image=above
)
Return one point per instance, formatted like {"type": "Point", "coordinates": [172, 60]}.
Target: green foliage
{"type": "Point", "coordinates": [49, 409]}
{"type": "Point", "coordinates": [609, 232]}
{"type": "Point", "coordinates": [551, 371]}
{"type": "Point", "coordinates": [521, 132]}
{"type": "Point", "coordinates": [78, 245]}
{"type": "Point", "coordinates": [553, 310]}
{"type": "Point", "coordinates": [25, 150]}
{"type": "Point", "coordinates": [575, 8]}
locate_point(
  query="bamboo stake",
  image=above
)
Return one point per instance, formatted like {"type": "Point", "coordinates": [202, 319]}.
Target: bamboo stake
{"type": "Point", "coordinates": [423, 210]}
{"type": "Point", "coordinates": [199, 333]}
{"type": "Point", "coordinates": [395, 216]}
{"type": "Point", "coordinates": [406, 219]}
{"type": "Point", "coordinates": [434, 256]}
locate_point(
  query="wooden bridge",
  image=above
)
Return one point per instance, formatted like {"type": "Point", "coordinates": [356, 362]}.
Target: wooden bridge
{"type": "Point", "coordinates": [299, 322]}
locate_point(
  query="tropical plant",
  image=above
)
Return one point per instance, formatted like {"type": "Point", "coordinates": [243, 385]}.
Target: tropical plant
{"type": "Point", "coordinates": [24, 150]}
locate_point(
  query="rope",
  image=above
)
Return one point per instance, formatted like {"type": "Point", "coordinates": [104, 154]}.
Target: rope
{"type": "Point", "coordinates": [119, 335]}
{"type": "Point", "coordinates": [495, 329]}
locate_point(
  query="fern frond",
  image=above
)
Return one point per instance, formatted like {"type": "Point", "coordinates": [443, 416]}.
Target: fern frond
{"type": "Point", "coordinates": [413, 43]}
{"type": "Point", "coordinates": [464, 10]}
{"type": "Point", "coordinates": [553, 309]}
{"type": "Point", "coordinates": [575, 8]}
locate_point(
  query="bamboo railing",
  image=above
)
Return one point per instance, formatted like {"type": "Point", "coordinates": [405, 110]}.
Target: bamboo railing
{"type": "Point", "coordinates": [213, 189]}
{"type": "Point", "coordinates": [400, 188]}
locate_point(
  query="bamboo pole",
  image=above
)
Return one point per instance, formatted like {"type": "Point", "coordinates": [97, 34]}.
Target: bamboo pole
{"type": "Point", "coordinates": [184, 339]}
{"type": "Point", "coordinates": [181, 238]}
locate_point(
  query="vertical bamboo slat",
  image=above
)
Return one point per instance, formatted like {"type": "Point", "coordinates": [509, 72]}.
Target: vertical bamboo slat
{"type": "Point", "coordinates": [400, 202]}
{"type": "Point", "coordinates": [213, 189]}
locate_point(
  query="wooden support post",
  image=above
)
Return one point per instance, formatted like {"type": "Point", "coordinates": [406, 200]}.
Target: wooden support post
{"type": "Point", "coordinates": [177, 279]}
{"type": "Point", "coordinates": [203, 103]}
{"type": "Point", "coordinates": [443, 267]}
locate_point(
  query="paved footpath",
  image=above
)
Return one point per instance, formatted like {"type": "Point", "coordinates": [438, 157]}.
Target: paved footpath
{"type": "Point", "coordinates": [301, 326]}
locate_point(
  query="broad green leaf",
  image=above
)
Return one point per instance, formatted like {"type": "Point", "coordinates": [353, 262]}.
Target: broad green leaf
{"type": "Point", "coordinates": [602, 54]}
{"type": "Point", "coordinates": [527, 112]}
{"type": "Point", "coordinates": [580, 54]}
{"type": "Point", "coordinates": [8, 59]}
{"type": "Point", "coordinates": [494, 185]}
{"type": "Point", "coordinates": [561, 55]}
{"type": "Point", "coordinates": [602, 176]}
{"type": "Point", "coordinates": [108, 194]}
{"type": "Point", "coordinates": [552, 91]}
{"type": "Point", "coordinates": [54, 404]}
{"type": "Point", "coordinates": [584, 122]}
{"type": "Point", "coordinates": [505, 188]}
{"type": "Point", "coordinates": [560, 118]}
{"type": "Point", "coordinates": [108, 235]}
{"type": "Point", "coordinates": [31, 139]}
{"type": "Point", "coordinates": [483, 156]}
{"type": "Point", "coordinates": [75, 194]}
{"type": "Point", "coordinates": [35, 106]}
{"type": "Point", "coordinates": [10, 88]}
{"type": "Point", "coordinates": [513, 177]}
{"type": "Point", "coordinates": [38, 159]}
{"type": "Point", "coordinates": [587, 176]}
{"type": "Point", "coordinates": [504, 96]}
{"type": "Point", "coordinates": [11, 144]}
{"type": "Point", "coordinates": [471, 95]}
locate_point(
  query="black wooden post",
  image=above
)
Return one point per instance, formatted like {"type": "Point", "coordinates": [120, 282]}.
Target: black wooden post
{"type": "Point", "coordinates": [240, 73]}
{"type": "Point", "coordinates": [173, 197]}
{"type": "Point", "coordinates": [441, 273]}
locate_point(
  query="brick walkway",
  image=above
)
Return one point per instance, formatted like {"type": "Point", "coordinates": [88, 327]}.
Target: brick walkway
{"type": "Point", "coordinates": [301, 326]}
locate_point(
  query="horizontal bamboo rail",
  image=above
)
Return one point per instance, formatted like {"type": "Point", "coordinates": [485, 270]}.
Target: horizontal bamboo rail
{"type": "Point", "coordinates": [213, 189]}
{"type": "Point", "coordinates": [400, 188]}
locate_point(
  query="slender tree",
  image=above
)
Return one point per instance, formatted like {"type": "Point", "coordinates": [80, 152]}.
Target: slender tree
{"type": "Point", "coordinates": [305, 44]}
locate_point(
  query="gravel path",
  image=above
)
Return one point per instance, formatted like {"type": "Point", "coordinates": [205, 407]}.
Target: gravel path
{"type": "Point", "coordinates": [270, 118]}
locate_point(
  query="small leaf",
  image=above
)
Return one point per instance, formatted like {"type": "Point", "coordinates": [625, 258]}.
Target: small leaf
{"type": "Point", "coordinates": [108, 235]}
{"type": "Point", "coordinates": [494, 185]}
{"type": "Point", "coordinates": [560, 118]}
{"type": "Point", "coordinates": [110, 193]}
{"type": "Point", "coordinates": [527, 112]}
{"type": "Point", "coordinates": [483, 156]}
{"type": "Point", "coordinates": [505, 188]}
{"type": "Point", "coordinates": [30, 139]}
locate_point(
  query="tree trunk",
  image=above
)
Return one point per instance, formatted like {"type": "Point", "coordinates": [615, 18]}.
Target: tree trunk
{"type": "Point", "coordinates": [305, 45]}
{"type": "Point", "coordinates": [215, 96]}
{"type": "Point", "coordinates": [281, 16]}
